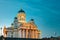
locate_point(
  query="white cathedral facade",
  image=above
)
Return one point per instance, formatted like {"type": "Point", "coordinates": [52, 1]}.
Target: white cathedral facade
{"type": "Point", "coordinates": [22, 29]}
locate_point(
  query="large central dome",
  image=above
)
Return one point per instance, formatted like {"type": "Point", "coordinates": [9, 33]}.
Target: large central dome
{"type": "Point", "coordinates": [21, 11]}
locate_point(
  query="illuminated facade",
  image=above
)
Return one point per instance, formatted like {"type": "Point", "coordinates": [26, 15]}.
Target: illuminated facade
{"type": "Point", "coordinates": [22, 29]}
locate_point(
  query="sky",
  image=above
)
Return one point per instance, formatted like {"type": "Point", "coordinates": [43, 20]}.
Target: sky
{"type": "Point", "coordinates": [46, 14]}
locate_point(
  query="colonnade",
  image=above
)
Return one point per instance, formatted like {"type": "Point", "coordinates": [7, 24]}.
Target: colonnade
{"type": "Point", "coordinates": [29, 33]}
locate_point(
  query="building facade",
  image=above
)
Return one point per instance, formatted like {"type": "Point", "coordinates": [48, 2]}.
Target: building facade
{"type": "Point", "coordinates": [22, 29]}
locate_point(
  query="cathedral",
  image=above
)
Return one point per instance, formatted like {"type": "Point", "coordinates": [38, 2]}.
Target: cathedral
{"type": "Point", "coordinates": [22, 29]}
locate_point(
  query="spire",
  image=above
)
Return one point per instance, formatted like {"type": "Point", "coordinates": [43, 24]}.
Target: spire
{"type": "Point", "coordinates": [21, 11]}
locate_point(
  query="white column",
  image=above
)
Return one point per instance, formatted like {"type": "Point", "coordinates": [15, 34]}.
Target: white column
{"type": "Point", "coordinates": [36, 34]}
{"type": "Point", "coordinates": [26, 33]}
{"type": "Point", "coordinates": [23, 32]}
{"type": "Point", "coordinates": [33, 33]}
{"type": "Point", "coordinates": [20, 33]}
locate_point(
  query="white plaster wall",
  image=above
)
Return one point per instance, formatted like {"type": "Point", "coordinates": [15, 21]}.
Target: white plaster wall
{"type": "Point", "coordinates": [15, 34]}
{"type": "Point", "coordinates": [9, 34]}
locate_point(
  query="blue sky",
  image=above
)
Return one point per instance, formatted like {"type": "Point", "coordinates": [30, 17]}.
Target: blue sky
{"type": "Point", "coordinates": [46, 14]}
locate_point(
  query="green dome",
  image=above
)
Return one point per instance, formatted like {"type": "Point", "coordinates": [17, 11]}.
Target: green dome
{"type": "Point", "coordinates": [15, 18]}
{"type": "Point", "coordinates": [21, 11]}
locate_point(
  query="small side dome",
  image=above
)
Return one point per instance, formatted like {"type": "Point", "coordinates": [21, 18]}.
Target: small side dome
{"type": "Point", "coordinates": [12, 24]}
{"type": "Point", "coordinates": [21, 11]}
{"type": "Point", "coordinates": [15, 18]}
{"type": "Point", "coordinates": [32, 19]}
